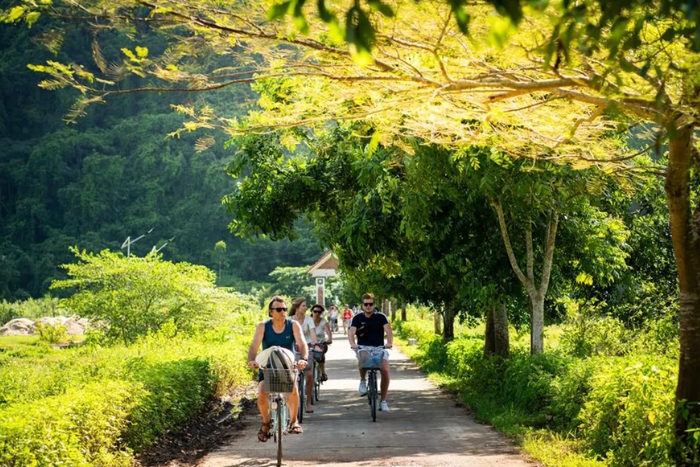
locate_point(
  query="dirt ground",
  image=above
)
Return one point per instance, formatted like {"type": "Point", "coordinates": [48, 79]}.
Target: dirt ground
{"type": "Point", "coordinates": [219, 425]}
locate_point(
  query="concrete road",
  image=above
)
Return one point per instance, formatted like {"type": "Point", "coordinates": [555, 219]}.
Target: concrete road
{"type": "Point", "coordinates": [424, 427]}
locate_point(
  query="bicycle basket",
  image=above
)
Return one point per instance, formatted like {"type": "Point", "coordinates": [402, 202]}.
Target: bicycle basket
{"type": "Point", "coordinates": [318, 355]}
{"type": "Point", "coordinates": [370, 358]}
{"type": "Point", "coordinates": [279, 380]}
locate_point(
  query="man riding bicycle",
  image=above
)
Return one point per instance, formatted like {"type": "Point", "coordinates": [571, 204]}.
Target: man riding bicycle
{"type": "Point", "coordinates": [282, 332]}
{"type": "Point", "coordinates": [367, 329]}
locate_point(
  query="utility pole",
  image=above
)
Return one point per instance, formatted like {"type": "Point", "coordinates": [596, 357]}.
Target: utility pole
{"type": "Point", "coordinates": [127, 243]}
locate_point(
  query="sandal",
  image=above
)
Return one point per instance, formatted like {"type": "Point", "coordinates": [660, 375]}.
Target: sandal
{"type": "Point", "coordinates": [295, 429]}
{"type": "Point", "coordinates": [324, 377]}
{"type": "Point", "coordinates": [264, 435]}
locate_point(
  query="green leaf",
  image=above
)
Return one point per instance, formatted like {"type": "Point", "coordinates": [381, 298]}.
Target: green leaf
{"type": "Point", "coordinates": [278, 10]}
{"type": "Point", "coordinates": [383, 8]}
{"type": "Point", "coordinates": [142, 52]}
{"type": "Point", "coordinates": [32, 18]}
{"type": "Point", "coordinates": [15, 14]}
{"type": "Point", "coordinates": [461, 16]}
{"type": "Point", "coordinates": [373, 143]}
{"type": "Point", "coordinates": [325, 14]}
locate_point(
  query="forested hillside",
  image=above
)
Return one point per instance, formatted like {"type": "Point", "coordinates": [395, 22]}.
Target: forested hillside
{"type": "Point", "coordinates": [112, 175]}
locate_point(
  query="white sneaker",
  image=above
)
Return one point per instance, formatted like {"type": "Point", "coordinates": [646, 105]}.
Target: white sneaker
{"type": "Point", "coordinates": [383, 406]}
{"type": "Point", "coordinates": [363, 388]}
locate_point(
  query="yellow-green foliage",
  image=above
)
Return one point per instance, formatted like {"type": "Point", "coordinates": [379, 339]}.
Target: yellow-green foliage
{"type": "Point", "coordinates": [628, 413]}
{"type": "Point", "coordinates": [134, 296]}
{"type": "Point", "coordinates": [31, 308]}
{"type": "Point", "coordinates": [592, 398]}
{"type": "Point", "coordinates": [59, 405]}
{"type": "Point", "coordinates": [52, 333]}
{"type": "Point", "coordinates": [78, 428]}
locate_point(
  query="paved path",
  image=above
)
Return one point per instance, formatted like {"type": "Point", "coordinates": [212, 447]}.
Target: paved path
{"type": "Point", "coordinates": [424, 428]}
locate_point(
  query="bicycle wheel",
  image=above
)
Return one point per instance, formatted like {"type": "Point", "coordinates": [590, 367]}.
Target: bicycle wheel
{"type": "Point", "coordinates": [317, 381]}
{"type": "Point", "coordinates": [273, 418]}
{"type": "Point", "coordinates": [301, 384]}
{"type": "Point", "coordinates": [280, 426]}
{"type": "Point", "coordinates": [373, 394]}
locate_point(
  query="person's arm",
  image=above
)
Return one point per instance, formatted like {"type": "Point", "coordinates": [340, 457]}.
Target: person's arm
{"type": "Point", "coordinates": [301, 344]}
{"type": "Point", "coordinates": [312, 330]}
{"type": "Point", "coordinates": [351, 335]}
{"type": "Point", "coordinates": [389, 336]}
{"type": "Point", "coordinates": [255, 345]}
{"type": "Point", "coordinates": [327, 329]}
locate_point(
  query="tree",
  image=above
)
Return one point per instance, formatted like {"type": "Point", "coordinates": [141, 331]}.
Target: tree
{"type": "Point", "coordinates": [220, 254]}
{"type": "Point", "coordinates": [571, 72]}
{"type": "Point", "coordinates": [134, 295]}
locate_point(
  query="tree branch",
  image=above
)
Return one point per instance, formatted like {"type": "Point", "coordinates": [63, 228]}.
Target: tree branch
{"type": "Point", "coordinates": [529, 252]}
{"type": "Point", "coordinates": [550, 242]}
{"type": "Point", "coordinates": [506, 241]}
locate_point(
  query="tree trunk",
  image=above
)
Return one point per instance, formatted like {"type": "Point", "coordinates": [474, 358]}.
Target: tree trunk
{"type": "Point", "coordinates": [403, 311]}
{"type": "Point", "coordinates": [490, 335]}
{"type": "Point", "coordinates": [535, 294]}
{"type": "Point", "coordinates": [685, 229]}
{"type": "Point", "coordinates": [500, 330]}
{"type": "Point", "coordinates": [392, 304]}
{"type": "Point", "coordinates": [448, 330]}
{"type": "Point", "coordinates": [437, 318]}
{"type": "Point", "coordinates": [497, 340]}
{"type": "Point", "coordinates": [537, 323]}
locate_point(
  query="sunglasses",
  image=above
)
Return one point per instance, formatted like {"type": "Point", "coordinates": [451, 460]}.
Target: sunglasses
{"type": "Point", "coordinates": [279, 308]}
{"type": "Point", "coordinates": [316, 311]}
{"type": "Point", "coordinates": [368, 304]}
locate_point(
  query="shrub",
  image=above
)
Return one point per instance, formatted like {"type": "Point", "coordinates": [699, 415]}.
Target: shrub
{"type": "Point", "coordinates": [135, 296]}
{"type": "Point", "coordinates": [31, 308]}
{"type": "Point", "coordinates": [78, 428]}
{"type": "Point", "coordinates": [588, 335]}
{"type": "Point", "coordinates": [52, 333]}
{"type": "Point", "coordinates": [628, 414]}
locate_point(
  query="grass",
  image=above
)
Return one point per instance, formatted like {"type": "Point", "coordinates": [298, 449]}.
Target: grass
{"type": "Point", "coordinates": [15, 342]}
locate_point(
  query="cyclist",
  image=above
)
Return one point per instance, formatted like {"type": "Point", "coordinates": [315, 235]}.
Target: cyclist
{"type": "Point", "coordinates": [333, 318]}
{"type": "Point", "coordinates": [347, 317]}
{"type": "Point", "coordinates": [282, 332]}
{"type": "Point", "coordinates": [298, 314]}
{"type": "Point", "coordinates": [323, 329]}
{"type": "Point", "coordinates": [369, 328]}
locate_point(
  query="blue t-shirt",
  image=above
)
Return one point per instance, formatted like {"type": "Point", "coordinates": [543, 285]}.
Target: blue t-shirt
{"type": "Point", "coordinates": [283, 339]}
{"type": "Point", "coordinates": [369, 331]}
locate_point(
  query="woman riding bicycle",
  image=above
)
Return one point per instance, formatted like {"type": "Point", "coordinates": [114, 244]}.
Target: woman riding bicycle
{"type": "Point", "coordinates": [298, 314]}
{"type": "Point", "coordinates": [323, 329]}
{"type": "Point", "coordinates": [282, 332]}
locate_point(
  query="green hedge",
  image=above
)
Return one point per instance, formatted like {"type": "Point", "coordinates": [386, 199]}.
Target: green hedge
{"type": "Point", "coordinates": [78, 428]}
{"type": "Point", "coordinates": [59, 409]}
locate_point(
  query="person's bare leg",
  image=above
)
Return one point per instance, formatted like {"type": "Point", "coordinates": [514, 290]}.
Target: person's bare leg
{"type": "Point", "coordinates": [264, 402]}
{"type": "Point", "coordinates": [384, 370]}
{"type": "Point", "coordinates": [363, 373]}
{"type": "Point", "coordinates": [293, 404]}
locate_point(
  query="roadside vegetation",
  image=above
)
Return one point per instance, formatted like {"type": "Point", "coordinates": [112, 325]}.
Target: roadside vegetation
{"type": "Point", "coordinates": [102, 402]}
{"type": "Point", "coordinates": [609, 402]}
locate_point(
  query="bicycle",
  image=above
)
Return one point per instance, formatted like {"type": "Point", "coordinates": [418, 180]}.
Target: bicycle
{"type": "Point", "coordinates": [370, 358]}
{"type": "Point", "coordinates": [278, 384]}
{"type": "Point", "coordinates": [316, 372]}
{"type": "Point", "coordinates": [301, 385]}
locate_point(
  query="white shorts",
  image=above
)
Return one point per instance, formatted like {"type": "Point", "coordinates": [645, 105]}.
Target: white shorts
{"type": "Point", "coordinates": [385, 355]}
